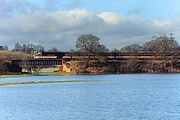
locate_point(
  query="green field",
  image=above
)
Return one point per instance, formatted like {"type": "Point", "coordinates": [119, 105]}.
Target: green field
{"type": "Point", "coordinates": [54, 71]}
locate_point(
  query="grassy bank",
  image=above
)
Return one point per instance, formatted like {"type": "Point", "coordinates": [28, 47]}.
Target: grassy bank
{"type": "Point", "coordinates": [54, 71]}
{"type": "Point", "coordinates": [42, 82]}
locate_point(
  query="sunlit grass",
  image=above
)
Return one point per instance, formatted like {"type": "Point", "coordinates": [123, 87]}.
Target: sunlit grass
{"type": "Point", "coordinates": [54, 71]}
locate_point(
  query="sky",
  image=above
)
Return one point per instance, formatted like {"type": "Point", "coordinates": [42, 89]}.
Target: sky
{"type": "Point", "coordinates": [58, 23]}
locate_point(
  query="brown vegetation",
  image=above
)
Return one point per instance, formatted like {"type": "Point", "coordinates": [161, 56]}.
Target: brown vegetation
{"type": "Point", "coordinates": [163, 51]}
{"type": "Point", "coordinates": [7, 56]}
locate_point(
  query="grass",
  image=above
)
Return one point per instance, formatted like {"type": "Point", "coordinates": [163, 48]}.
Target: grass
{"type": "Point", "coordinates": [61, 73]}
{"type": "Point", "coordinates": [54, 71]}
{"type": "Point", "coordinates": [43, 82]}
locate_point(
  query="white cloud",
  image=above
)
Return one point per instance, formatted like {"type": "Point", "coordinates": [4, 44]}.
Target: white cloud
{"type": "Point", "coordinates": [111, 18]}
{"type": "Point", "coordinates": [162, 24]}
{"type": "Point", "coordinates": [61, 28]}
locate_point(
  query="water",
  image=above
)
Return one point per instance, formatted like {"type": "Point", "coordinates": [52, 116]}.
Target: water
{"type": "Point", "coordinates": [115, 97]}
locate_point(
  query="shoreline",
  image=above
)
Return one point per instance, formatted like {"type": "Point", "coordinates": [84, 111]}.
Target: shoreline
{"type": "Point", "coordinates": [18, 75]}
{"type": "Point", "coordinates": [42, 82]}
{"type": "Point", "coordinates": [72, 74]}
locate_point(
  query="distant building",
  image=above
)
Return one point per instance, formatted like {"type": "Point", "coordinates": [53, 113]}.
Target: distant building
{"type": "Point", "coordinates": [59, 55]}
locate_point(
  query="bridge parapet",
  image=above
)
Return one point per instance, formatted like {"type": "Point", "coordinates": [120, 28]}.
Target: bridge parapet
{"type": "Point", "coordinates": [36, 62]}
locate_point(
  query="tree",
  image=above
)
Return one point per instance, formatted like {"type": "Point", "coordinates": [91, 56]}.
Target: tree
{"type": "Point", "coordinates": [6, 47]}
{"type": "Point", "coordinates": [161, 44]}
{"type": "Point", "coordinates": [53, 49]}
{"type": "Point", "coordinates": [164, 47]}
{"type": "Point", "coordinates": [115, 50]}
{"type": "Point", "coordinates": [132, 48]}
{"type": "Point", "coordinates": [102, 49]}
{"type": "Point", "coordinates": [17, 47]}
{"type": "Point", "coordinates": [40, 48]}
{"type": "Point", "coordinates": [91, 50]}
{"type": "Point", "coordinates": [87, 43]}
{"type": "Point", "coordinates": [28, 48]}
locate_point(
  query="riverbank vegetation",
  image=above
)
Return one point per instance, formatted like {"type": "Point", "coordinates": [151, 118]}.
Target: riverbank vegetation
{"type": "Point", "coordinates": [156, 56]}
{"type": "Point", "coordinates": [6, 58]}
{"type": "Point", "coordinates": [159, 55]}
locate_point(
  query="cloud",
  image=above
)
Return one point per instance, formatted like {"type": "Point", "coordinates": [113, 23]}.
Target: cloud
{"type": "Point", "coordinates": [61, 28]}
{"type": "Point", "coordinates": [162, 24]}
{"type": "Point", "coordinates": [111, 18]}
{"type": "Point", "coordinates": [12, 7]}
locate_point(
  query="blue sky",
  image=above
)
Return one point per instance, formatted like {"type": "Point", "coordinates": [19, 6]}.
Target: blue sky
{"type": "Point", "coordinates": [149, 9]}
{"type": "Point", "coordinates": [58, 23]}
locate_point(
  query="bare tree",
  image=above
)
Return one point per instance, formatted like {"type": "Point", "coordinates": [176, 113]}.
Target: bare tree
{"type": "Point", "coordinates": [53, 49]}
{"type": "Point", "coordinates": [91, 48]}
{"type": "Point", "coordinates": [163, 46]}
{"type": "Point", "coordinates": [132, 48]}
{"type": "Point", "coordinates": [87, 43]}
{"type": "Point", "coordinates": [28, 48]}
{"type": "Point", "coordinates": [115, 50]}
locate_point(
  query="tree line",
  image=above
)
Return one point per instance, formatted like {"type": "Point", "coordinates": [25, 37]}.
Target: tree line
{"type": "Point", "coordinates": [163, 46]}
{"type": "Point", "coordinates": [91, 48]}
{"type": "Point", "coordinates": [159, 44]}
{"type": "Point", "coordinates": [91, 44]}
{"type": "Point", "coordinates": [163, 43]}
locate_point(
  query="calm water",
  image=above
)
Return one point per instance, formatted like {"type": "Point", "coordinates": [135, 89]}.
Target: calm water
{"type": "Point", "coordinates": [116, 97]}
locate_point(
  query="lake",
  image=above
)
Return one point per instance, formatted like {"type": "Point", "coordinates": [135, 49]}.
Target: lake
{"type": "Point", "coordinates": [111, 97]}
